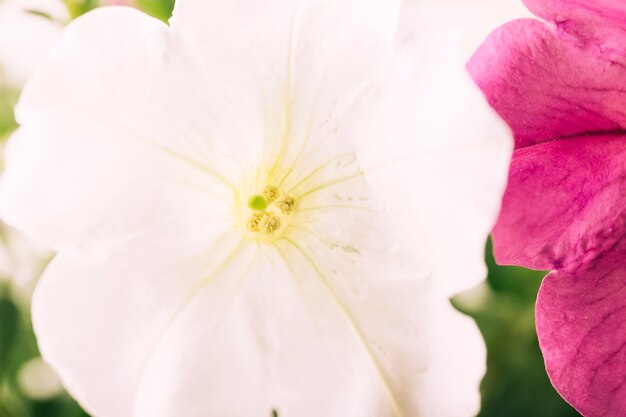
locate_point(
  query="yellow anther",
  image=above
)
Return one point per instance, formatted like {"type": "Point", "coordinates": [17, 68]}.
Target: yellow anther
{"type": "Point", "coordinates": [271, 193]}
{"type": "Point", "coordinates": [269, 223]}
{"type": "Point", "coordinates": [254, 221]}
{"type": "Point", "coordinates": [286, 205]}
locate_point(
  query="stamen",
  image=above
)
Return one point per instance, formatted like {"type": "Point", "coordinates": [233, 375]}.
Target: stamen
{"type": "Point", "coordinates": [269, 223]}
{"type": "Point", "coordinates": [271, 193]}
{"type": "Point", "coordinates": [286, 205]}
{"type": "Point", "coordinates": [254, 221]}
{"type": "Point", "coordinates": [271, 212]}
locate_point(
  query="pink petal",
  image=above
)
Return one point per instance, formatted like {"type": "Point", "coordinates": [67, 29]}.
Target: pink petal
{"type": "Point", "coordinates": [561, 87]}
{"type": "Point", "coordinates": [581, 321]}
{"type": "Point", "coordinates": [564, 202]}
{"type": "Point", "coordinates": [596, 19]}
{"type": "Point", "coordinates": [547, 84]}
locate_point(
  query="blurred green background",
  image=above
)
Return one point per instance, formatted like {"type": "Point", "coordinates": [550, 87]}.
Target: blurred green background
{"type": "Point", "coordinates": [515, 385]}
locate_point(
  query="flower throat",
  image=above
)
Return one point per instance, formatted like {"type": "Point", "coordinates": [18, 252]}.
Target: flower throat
{"type": "Point", "coordinates": [270, 212]}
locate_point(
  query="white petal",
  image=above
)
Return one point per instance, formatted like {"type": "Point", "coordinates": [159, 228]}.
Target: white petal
{"type": "Point", "coordinates": [53, 8]}
{"type": "Point", "coordinates": [98, 193]}
{"type": "Point", "coordinates": [456, 366]}
{"type": "Point", "coordinates": [309, 60]}
{"type": "Point", "coordinates": [99, 316]}
{"type": "Point", "coordinates": [468, 22]}
{"type": "Point", "coordinates": [335, 320]}
{"type": "Point", "coordinates": [109, 147]}
{"type": "Point", "coordinates": [297, 339]}
{"type": "Point", "coordinates": [394, 295]}
{"type": "Point", "coordinates": [25, 38]}
{"type": "Point", "coordinates": [443, 167]}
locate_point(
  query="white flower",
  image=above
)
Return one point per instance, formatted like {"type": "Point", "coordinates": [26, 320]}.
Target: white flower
{"type": "Point", "coordinates": [26, 36]}
{"type": "Point", "coordinates": [37, 381]}
{"type": "Point", "coordinates": [262, 207]}
{"type": "Point", "coordinates": [21, 263]}
{"type": "Point", "coordinates": [467, 22]}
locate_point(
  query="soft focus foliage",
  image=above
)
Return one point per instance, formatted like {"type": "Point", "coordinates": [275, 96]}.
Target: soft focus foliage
{"type": "Point", "coordinates": [157, 8]}
{"type": "Point", "coordinates": [8, 97]}
{"type": "Point", "coordinates": [17, 347]}
{"type": "Point", "coordinates": [79, 7]}
{"type": "Point", "coordinates": [516, 384]}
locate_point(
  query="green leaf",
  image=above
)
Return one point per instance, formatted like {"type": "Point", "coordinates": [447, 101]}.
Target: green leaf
{"type": "Point", "coordinates": [9, 316]}
{"type": "Point", "coordinates": [78, 8]}
{"type": "Point", "coordinates": [57, 407]}
{"type": "Point", "coordinates": [7, 118]}
{"type": "Point", "coordinates": [161, 9]}
{"type": "Point", "coordinates": [4, 412]}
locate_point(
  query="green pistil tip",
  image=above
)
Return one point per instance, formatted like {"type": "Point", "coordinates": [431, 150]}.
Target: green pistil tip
{"type": "Point", "coordinates": [257, 202]}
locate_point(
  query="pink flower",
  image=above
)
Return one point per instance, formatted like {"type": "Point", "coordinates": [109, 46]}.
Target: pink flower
{"type": "Point", "coordinates": [561, 86]}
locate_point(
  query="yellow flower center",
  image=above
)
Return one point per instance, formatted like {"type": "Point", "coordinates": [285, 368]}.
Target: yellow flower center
{"type": "Point", "coordinates": [269, 213]}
